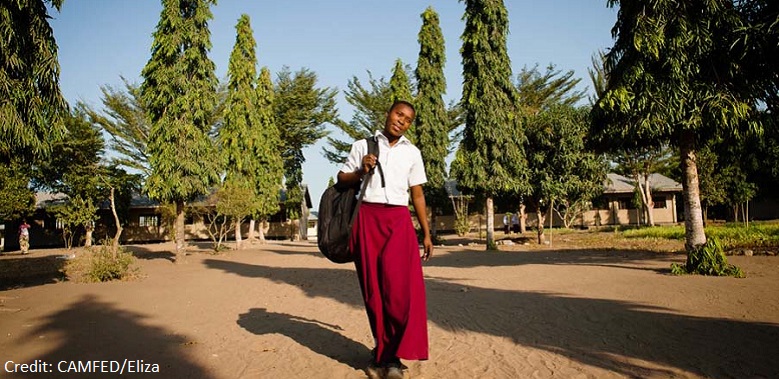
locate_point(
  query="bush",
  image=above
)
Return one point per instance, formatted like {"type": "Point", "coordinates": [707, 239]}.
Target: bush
{"type": "Point", "coordinates": [708, 259]}
{"type": "Point", "coordinates": [101, 266]}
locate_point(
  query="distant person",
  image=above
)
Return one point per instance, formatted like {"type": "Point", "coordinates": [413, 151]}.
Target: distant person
{"type": "Point", "coordinates": [515, 222]}
{"type": "Point", "coordinates": [506, 224]}
{"type": "Point", "coordinates": [385, 247]}
{"type": "Point", "coordinates": [24, 236]}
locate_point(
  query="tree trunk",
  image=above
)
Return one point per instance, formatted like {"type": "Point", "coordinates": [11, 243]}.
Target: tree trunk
{"type": "Point", "coordinates": [522, 219]}
{"type": "Point", "coordinates": [693, 215]}
{"type": "Point", "coordinates": [238, 236]}
{"type": "Point", "coordinates": [252, 224]}
{"type": "Point", "coordinates": [490, 224]}
{"type": "Point", "coordinates": [180, 238]}
{"type": "Point", "coordinates": [88, 235]}
{"type": "Point", "coordinates": [540, 223]}
{"type": "Point", "coordinates": [648, 202]}
{"type": "Point", "coordinates": [551, 219]}
{"type": "Point", "coordinates": [115, 244]}
{"type": "Point", "coordinates": [261, 231]}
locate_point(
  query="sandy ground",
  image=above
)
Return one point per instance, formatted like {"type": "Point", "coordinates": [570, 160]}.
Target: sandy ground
{"type": "Point", "coordinates": [576, 309]}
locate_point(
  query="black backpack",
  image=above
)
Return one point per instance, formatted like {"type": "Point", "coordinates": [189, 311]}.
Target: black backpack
{"type": "Point", "coordinates": [337, 210]}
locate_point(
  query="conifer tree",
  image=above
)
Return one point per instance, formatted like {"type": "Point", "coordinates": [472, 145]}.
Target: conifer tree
{"type": "Point", "coordinates": [31, 104]}
{"type": "Point", "coordinates": [490, 159]}
{"type": "Point", "coordinates": [179, 92]}
{"type": "Point", "coordinates": [432, 121]}
{"type": "Point", "coordinates": [270, 165]}
{"type": "Point", "coordinates": [241, 129]}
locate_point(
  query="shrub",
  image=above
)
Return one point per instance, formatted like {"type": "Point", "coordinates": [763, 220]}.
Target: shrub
{"type": "Point", "coordinates": [708, 259]}
{"type": "Point", "coordinates": [101, 265]}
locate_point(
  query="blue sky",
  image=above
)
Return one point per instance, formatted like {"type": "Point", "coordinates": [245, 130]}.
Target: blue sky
{"type": "Point", "coordinates": [101, 41]}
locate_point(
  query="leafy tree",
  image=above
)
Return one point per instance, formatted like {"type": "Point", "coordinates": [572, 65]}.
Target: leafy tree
{"type": "Point", "coordinates": [239, 133]}
{"type": "Point", "coordinates": [538, 92]}
{"type": "Point", "coordinates": [271, 173]}
{"type": "Point", "coordinates": [432, 127]}
{"type": "Point", "coordinates": [490, 158]}
{"type": "Point", "coordinates": [370, 104]}
{"type": "Point", "coordinates": [74, 169]}
{"type": "Point", "coordinates": [639, 163]}
{"type": "Point", "coordinates": [179, 92]}
{"type": "Point", "coordinates": [563, 171]}
{"type": "Point", "coordinates": [126, 120]}
{"type": "Point", "coordinates": [31, 104]}
{"type": "Point", "coordinates": [17, 199]}
{"type": "Point", "coordinates": [301, 110]}
{"type": "Point", "coordinates": [672, 78]}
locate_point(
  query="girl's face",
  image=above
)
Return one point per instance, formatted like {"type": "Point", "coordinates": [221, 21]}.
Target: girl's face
{"type": "Point", "coordinates": [399, 119]}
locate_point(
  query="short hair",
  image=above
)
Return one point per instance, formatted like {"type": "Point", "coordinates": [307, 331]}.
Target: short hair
{"type": "Point", "coordinates": [402, 102]}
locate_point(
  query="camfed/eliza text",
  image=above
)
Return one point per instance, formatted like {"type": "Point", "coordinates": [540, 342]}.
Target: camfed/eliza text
{"type": "Point", "coordinates": [95, 366]}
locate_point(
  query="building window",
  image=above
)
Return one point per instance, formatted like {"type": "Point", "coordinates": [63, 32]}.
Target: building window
{"type": "Point", "coordinates": [626, 203]}
{"type": "Point", "coordinates": [660, 202]}
{"type": "Point", "coordinates": [59, 224]}
{"type": "Point", "coordinates": [149, 220]}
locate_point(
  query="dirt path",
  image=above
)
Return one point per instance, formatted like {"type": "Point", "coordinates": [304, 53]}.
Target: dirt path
{"type": "Point", "coordinates": [573, 310]}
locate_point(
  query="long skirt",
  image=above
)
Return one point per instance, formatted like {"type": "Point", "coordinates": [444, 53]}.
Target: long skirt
{"type": "Point", "coordinates": [390, 271]}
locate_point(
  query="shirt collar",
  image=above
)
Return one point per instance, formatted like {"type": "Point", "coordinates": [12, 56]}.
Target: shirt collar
{"type": "Point", "coordinates": [381, 135]}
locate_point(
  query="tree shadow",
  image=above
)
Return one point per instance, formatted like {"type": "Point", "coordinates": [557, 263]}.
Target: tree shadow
{"type": "Point", "coordinates": [319, 337]}
{"type": "Point", "coordinates": [144, 253]}
{"type": "Point", "coordinates": [586, 257]}
{"type": "Point", "coordinates": [92, 330]}
{"type": "Point", "coordinates": [618, 336]}
{"type": "Point", "coordinates": [338, 284]}
{"type": "Point", "coordinates": [24, 271]}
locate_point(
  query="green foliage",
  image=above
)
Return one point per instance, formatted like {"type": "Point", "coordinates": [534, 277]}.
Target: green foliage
{"type": "Point", "coordinates": [301, 110]}
{"type": "Point", "coordinates": [179, 93]}
{"type": "Point", "coordinates": [538, 92]}
{"type": "Point", "coordinates": [101, 265]}
{"type": "Point", "coordinates": [708, 259]}
{"type": "Point", "coordinates": [31, 103]}
{"type": "Point", "coordinates": [248, 139]}
{"type": "Point", "coordinates": [674, 77]}
{"type": "Point", "coordinates": [77, 213]}
{"type": "Point", "coordinates": [270, 171]}
{"type": "Point", "coordinates": [491, 157]}
{"type": "Point", "coordinates": [73, 167]}
{"type": "Point", "coordinates": [431, 131]}
{"type": "Point", "coordinates": [370, 104]}
{"type": "Point", "coordinates": [562, 169]}
{"type": "Point", "coordinates": [731, 236]}
{"type": "Point", "coordinates": [125, 119]}
{"type": "Point", "coordinates": [17, 200]}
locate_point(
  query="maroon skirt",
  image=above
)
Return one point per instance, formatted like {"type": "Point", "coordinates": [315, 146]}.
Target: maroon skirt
{"type": "Point", "coordinates": [389, 267]}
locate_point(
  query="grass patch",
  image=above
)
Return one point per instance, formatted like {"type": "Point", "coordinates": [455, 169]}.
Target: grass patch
{"type": "Point", "coordinates": [731, 236]}
{"type": "Point", "coordinates": [101, 265]}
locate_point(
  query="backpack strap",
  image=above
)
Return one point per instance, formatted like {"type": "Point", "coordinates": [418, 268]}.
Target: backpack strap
{"type": "Point", "coordinates": [373, 148]}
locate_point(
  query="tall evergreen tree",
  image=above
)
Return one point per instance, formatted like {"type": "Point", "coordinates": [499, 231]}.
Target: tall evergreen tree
{"type": "Point", "coordinates": [270, 172]}
{"type": "Point", "coordinates": [432, 121]}
{"type": "Point", "coordinates": [179, 92]}
{"type": "Point", "coordinates": [672, 78]}
{"type": "Point", "coordinates": [238, 133]}
{"type": "Point", "coordinates": [31, 104]}
{"type": "Point", "coordinates": [490, 158]}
